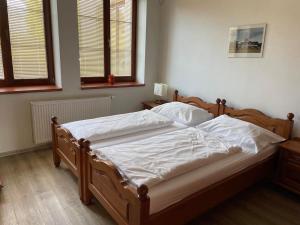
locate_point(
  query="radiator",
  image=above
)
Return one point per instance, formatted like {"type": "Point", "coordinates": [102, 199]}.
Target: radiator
{"type": "Point", "coordinates": [66, 111]}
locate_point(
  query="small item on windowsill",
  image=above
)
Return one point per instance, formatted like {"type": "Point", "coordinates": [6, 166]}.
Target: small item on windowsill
{"type": "Point", "coordinates": [111, 79]}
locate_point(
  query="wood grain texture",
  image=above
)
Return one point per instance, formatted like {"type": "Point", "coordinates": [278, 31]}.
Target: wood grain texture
{"type": "Point", "coordinates": [288, 174]}
{"type": "Point", "coordinates": [65, 147]}
{"type": "Point", "coordinates": [292, 145]}
{"type": "Point", "coordinates": [107, 85]}
{"type": "Point", "coordinates": [29, 89]}
{"type": "Point", "coordinates": [37, 193]}
{"type": "Point", "coordinates": [281, 127]}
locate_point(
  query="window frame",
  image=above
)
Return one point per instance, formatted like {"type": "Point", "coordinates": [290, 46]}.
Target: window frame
{"type": "Point", "coordinates": [107, 50]}
{"type": "Point", "coordinates": [9, 80]}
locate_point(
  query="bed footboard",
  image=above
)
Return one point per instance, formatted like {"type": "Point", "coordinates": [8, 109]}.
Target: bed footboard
{"type": "Point", "coordinates": [65, 147]}
{"type": "Point", "coordinates": [126, 203]}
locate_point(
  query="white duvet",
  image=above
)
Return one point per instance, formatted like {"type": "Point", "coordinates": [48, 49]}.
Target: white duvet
{"type": "Point", "coordinates": [117, 125]}
{"type": "Point", "coordinates": [160, 158]}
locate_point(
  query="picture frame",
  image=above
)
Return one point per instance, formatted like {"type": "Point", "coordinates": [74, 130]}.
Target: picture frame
{"type": "Point", "coordinates": [247, 41]}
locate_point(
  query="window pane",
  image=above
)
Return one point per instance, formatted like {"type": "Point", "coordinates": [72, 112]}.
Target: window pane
{"type": "Point", "coordinates": [121, 36]}
{"type": "Point", "coordinates": [91, 44]}
{"type": "Point", "coordinates": [27, 36]}
{"type": "Point", "coordinates": [1, 64]}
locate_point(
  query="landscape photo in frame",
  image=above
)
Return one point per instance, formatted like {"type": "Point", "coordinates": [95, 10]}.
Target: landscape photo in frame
{"type": "Point", "coordinates": [247, 41]}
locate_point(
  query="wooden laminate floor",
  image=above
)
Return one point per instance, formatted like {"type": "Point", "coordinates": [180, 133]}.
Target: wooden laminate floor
{"type": "Point", "coordinates": [36, 193]}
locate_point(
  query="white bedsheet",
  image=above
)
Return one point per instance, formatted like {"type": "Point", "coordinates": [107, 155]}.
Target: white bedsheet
{"type": "Point", "coordinates": [153, 160]}
{"type": "Point", "coordinates": [172, 191]}
{"type": "Point", "coordinates": [136, 136]}
{"type": "Point", "coordinates": [117, 125]}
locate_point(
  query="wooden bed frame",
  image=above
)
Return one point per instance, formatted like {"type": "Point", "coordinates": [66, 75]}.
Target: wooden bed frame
{"type": "Point", "coordinates": [130, 205]}
{"type": "Point", "coordinates": [281, 127]}
{"type": "Point", "coordinates": [66, 148]}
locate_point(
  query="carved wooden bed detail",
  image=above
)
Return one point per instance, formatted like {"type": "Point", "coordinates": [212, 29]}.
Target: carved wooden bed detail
{"type": "Point", "coordinates": [279, 126]}
{"type": "Point", "coordinates": [213, 108]}
{"type": "Point", "coordinates": [130, 205]}
{"type": "Point", "coordinates": [67, 148]}
{"type": "Point", "coordinates": [126, 203]}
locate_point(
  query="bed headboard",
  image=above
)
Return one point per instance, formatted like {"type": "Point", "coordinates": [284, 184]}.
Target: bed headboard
{"type": "Point", "coordinates": [213, 108]}
{"type": "Point", "coordinates": [282, 127]}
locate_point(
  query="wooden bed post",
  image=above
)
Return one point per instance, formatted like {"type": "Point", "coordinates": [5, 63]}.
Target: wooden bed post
{"type": "Point", "coordinates": [223, 107]}
{"type": "Point", "coordinates": [218, 101]}
{"type": "Point", "coordinates": [56, 158]}
{"type": "Point", "coordinates": [84, 192]}
{"type": "Point", "coordinates": [175, 96]}
{"type": "Point", "coordinates": [291, 117]}
{"type": "Point", "coordinates": [145, 202]}
{"type": "Point", "coordinates": [140, 212]}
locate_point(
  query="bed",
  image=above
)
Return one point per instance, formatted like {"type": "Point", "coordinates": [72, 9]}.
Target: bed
{"type": "Point", "coordinates": [66, 147]}
{"type": "Point", "coordinates": [131, 204]}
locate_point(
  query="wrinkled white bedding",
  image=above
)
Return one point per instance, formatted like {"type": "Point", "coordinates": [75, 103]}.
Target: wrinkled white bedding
{"type": "Point", "coordinates": [153, 160]}
{"type": "Point", "coordinates": [136, 136]}
{"type": "Point", "coordinates": [117, 125]}
{"type": "Point", "coordinates": [172, 191]}
{"type": "Point", "coordinates": [249, 137]}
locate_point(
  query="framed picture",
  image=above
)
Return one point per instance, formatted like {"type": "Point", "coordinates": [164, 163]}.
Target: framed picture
{"type": "Point", "coordinates": [247, 41]}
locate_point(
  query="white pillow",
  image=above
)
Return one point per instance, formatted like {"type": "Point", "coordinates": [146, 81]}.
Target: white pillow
{"type": "Point", "coordinates": [248, 136]}
{"type": "Point", "coordinates": [186, 114]}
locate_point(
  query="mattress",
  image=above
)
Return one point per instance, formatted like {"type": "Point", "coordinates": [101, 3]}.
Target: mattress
{"type": "Point", "coordinates": [172, 191]}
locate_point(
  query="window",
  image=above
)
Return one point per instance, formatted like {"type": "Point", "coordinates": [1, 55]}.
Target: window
{"type": "Point", "coordinates": [107, 39]}
{"type": "Point", "coordinates": [91, 43]}
{"type": "Point", "coordinates": [26, 43]}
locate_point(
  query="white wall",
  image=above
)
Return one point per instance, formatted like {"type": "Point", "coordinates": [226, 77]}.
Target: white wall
{"type": "Point", "coordinates": [15, 115]}
{"type": "Point", "coordinates": [194, 43]}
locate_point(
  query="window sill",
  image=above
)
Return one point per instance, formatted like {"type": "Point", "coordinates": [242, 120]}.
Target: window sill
{"type": "Point", "coordinates": [107, 85]}
{"type": "Point", "coordinates": [28, 89]}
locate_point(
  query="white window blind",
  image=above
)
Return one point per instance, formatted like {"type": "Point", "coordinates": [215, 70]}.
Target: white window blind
{"type": "Point", "coordinates": [27, 37]}
{"type": "Point", "coordinates": [91, 38]}
{"type": "Point", "coordinates": [121, 36]}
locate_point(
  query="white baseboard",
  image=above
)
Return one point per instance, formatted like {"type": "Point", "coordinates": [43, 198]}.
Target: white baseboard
{"type": "Point", "coordinates": [21, 151]}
